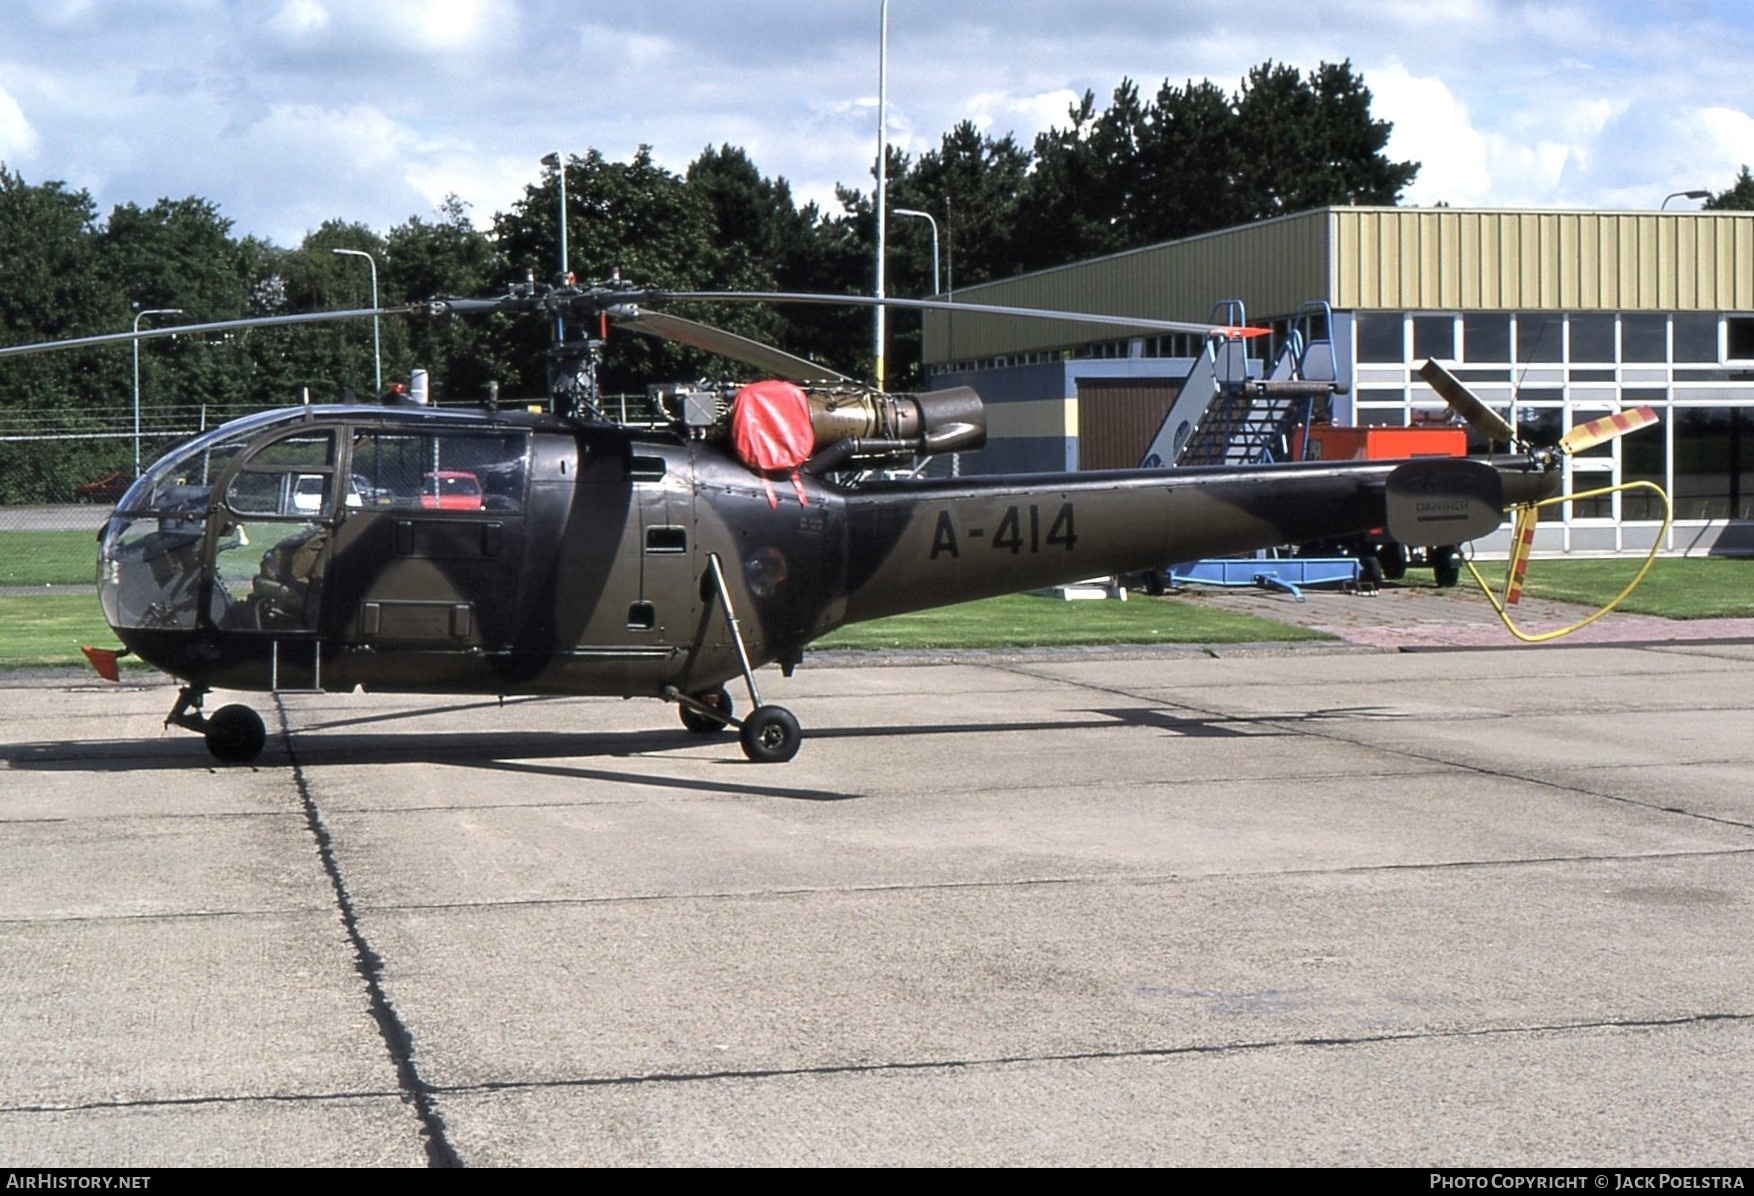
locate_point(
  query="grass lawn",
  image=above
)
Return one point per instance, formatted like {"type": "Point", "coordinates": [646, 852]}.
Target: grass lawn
{"type": "Point", "coordinates": [48, 629]}
{"type": "Point", "coordinates": [1708, 588]}
{"type": "Point", "coordinates": [1675, 588]}
{"type": "Point", "coordinates": [1021, 621]}
{"type": "Point", "coordinates": [48, 558]}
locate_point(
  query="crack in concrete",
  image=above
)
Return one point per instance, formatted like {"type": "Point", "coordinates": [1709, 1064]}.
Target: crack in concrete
{"type": "Point", "coordinates": [1164, 1052]}
{"type": "Point", "coordinates": [370, 965]}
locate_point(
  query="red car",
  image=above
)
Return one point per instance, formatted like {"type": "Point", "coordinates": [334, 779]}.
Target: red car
{"type": "Point", "coordinates": [451, 490]}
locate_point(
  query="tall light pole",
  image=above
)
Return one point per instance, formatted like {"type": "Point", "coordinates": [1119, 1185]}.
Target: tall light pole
{"type": "Point", "coordinates": [138, 316]}
{"type": "Point", "coordinates": [927, 217]}
{"type": "Point", "coordinates": [882, 167]}
{"type": "Point", "coordinates": [1683, 195]}
{"type": "Point", "coordinates": [377, 345]}
{"type": "Point", "coordinates": [559, 165]}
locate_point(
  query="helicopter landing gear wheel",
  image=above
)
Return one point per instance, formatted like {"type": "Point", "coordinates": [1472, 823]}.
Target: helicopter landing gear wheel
{"type": "Point", "coordinates": [770, 735]}
{"type": "Point", "coordinates": [235, 734]}
{"type": "Point", "coordinates": [1393, 558]}
{"type": "Point", "coordinates": [705, 724]}
{"type": "Point", "coordinates": [1446, 566]}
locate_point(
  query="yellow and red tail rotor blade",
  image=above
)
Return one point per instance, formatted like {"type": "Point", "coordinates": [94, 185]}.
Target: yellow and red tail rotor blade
{"type": "Point", "coordinates": [1521, 541]}
{"type": "Point", "coordinates": [1589, 435]}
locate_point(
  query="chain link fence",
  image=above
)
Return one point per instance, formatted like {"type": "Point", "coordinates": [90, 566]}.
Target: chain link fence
{"type": "Point", "coordinates": [60, 484]}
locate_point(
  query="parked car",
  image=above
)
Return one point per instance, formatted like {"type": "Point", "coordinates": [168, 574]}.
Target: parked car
{"type": "Point", "coordinates": [308, 493]}
{"type": "Point", "coordinates": [105, 489]}
{"type": "Point", "coordinates": [451, 490]}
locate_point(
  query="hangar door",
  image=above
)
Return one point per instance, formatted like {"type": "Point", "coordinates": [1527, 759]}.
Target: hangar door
{"type": "Point", "coordinates": [1117, 417]}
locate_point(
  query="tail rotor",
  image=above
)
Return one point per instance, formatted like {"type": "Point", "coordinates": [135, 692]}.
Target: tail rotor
{"type": "Point", "coordinates": [1498, 430]}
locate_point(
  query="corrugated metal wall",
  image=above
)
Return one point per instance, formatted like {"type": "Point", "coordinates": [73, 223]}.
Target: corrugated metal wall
{"type": "Point", "coordinates": [1386, 258]}
{"type": "Point", "coordinates": [1272, 267]}
{"type": "Point", "coordinates": [1451, 259]}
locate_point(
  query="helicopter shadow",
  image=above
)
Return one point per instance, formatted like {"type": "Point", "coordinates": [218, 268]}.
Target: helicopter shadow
{"type": "Point", "coordinates": [556, 753]}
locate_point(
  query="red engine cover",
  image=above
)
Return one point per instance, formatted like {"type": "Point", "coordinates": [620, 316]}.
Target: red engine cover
{"type": "Point", "coordinates": [770, 426]}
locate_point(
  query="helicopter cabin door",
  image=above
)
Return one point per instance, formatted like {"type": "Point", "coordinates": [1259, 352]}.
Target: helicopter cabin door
{"type": "Point", "coordinates": [426, 564]}
{"type": "Point", "coordinates": [269, 552]}
{"type": "Point", "coordinates": [668, 603]}
{"type": "Point", "coordinates": [624, 589]}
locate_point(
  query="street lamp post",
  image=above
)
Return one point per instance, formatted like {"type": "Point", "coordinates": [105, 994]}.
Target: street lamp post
{"type": "Point", "coordinates": [138, 316]}
{"type": "Point", "coordinates": [927, 217]}
{"type": "Point", "coordinates": [559, 164]}
{"type": "Point", "coordinates": [1683, 195]}
{"type": "Point", "coordinates": [377, 345]}
{"type": "Point", "coordinates": [882, 168]}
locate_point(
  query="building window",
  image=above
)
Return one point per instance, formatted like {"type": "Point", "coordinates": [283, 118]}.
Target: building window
{"type": "Point", "coordinates": [1592, 338]}
{"type": "Point", "coordinates": [1696, 338]}
{"type": "Point", "coordinates": [1714, 462]}
{"type": "Point", "coordinates": [1644, 338]}
{"type": "Point", "coordinates": [1380, 337]}
{"type": "Point", "coordinates": [1540, 336]}
{"type": "Point", "coordinates": [1486, 336]}
{"type": "Point", "coordinates": [1434, 336]}
{"type": "Point", "coordinates": [1739, 338]}
{"type": "Point", "coordinates": [1644, 458]}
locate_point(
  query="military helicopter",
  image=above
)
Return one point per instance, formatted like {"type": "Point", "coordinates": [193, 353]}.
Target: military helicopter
{"type": "Point", "coordinates": [498, 550]}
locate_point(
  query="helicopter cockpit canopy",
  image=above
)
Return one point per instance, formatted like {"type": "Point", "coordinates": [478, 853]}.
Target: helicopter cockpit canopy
{"type": "Point", "coordinates": [231, 529]}
{"type": "Point", "coordinates": [150, 563]}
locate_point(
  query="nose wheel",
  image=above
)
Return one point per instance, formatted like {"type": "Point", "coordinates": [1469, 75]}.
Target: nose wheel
{"type": "Point", "coordinates": [234, 734]}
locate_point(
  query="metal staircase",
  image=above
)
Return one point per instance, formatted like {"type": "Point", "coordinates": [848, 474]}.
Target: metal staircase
{"type": "Point", "coordinates": [1224, 416]}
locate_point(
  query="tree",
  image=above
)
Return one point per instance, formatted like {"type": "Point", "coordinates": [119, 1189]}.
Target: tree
{"type": "Point", "coordinates": [972, 185]}
{"type": "Point", "coordinates": [51, 287]}
{"type": "Point", "coordinates": [1194, 160]}
{"type": "Point", "coordinates": [324, 360]}
{"type": "Point", "coordinates": [1075, 190]}
{"type": "Point", "coordinates": [1310, 143]}
{"type": "Point", "coordinates": [447, 256]}
{"type": "Point", "coordinates": [180, 255]}
{"type": "Point", "coordinates": [1189, 159]}
{"type": "Point", "coordinates": [633, 219]}
{"type": "Point", "coordinates": [1738, 198]}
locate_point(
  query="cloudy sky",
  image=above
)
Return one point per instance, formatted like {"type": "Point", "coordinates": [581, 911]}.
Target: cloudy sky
{"type": "Point", "coordinates": [289, 112]}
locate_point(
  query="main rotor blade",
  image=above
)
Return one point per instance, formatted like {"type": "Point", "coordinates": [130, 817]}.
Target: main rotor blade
{"type": "Point", "coordinates": [111, 338]}
{"type": "Point", "coordinates": [985, 309]}
{"type": "Point", "coordinates": [1589, 435]}
{"type": "Point", "coordinates": [727, 344]}
{"type": "Point", "coordinates": [1467, 404]}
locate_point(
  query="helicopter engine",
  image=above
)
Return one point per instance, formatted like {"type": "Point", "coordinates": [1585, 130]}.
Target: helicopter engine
{"type": "Point", "coordinates": [847, 425]}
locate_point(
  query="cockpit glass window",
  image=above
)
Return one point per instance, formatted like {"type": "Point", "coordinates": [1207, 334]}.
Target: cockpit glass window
{"type": "Point", "coordinates": [462, 470]}
{"type": "Point", "coordinates": [182, 483]}
{"type": "Point", "coordinates": [289, 478]}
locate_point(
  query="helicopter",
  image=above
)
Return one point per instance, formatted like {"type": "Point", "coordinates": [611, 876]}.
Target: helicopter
{"type": "Point", "coordinates": [550, 550]}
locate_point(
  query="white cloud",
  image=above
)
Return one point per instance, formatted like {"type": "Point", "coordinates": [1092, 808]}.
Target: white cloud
{"type": "Point", "coordinates": [1726, 139]}
{"type": "Point", "coordinates": [286, 112]}
{"type": "Point", "coordinates": [17, 138]}
{"type": "Point", "coordinates": [299, 20]}
{"type": "Point", "coordinates": [1433, 128]}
